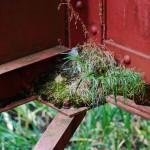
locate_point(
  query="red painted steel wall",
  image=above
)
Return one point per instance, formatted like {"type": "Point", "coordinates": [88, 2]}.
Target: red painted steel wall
{"type": "Point", "coordinates": [128, 32]}
{"type": "Point", "coordinates": [28, 26]}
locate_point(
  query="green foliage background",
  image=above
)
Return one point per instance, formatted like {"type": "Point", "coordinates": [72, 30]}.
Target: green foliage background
{"type": "Point", "coordinates": [106, 127]}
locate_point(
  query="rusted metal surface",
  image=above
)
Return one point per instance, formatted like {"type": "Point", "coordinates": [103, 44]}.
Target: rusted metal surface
{"type": "Point", "coordinates": [29, 26]}
{"type": "Point", "coordinates": [71, 112]}
{"type": "Point", "coordinates": [128, 33]}
{"type": "Point", "coordinates": [59, 132]}
{"type": "Point", "coordinates": [130, 106]}
{"type": "Point", "coordinates": [65, 125]}
{"type": "Point", "coordinates": [18, 103]}
{"type": "Point", "coordinates": [62, 128]}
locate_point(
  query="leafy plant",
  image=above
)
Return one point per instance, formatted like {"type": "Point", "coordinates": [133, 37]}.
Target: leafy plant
{"type": "Point", "coordinates": [108, 127]}
{"type": "Point", "coordinates": [22, 127]}
{"type": "Point", "coordinates": [97, 75]}
{"type": "Point", "coordinates": [114, 129]}
{"type": "Point", "coordinates": [122, 81]}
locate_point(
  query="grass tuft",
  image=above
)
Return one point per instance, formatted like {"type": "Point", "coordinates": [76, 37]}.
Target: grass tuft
{"type": "Point", "coordinates": [97, 75]}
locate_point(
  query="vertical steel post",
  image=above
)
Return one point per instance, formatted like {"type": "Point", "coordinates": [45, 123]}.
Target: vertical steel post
{"type": "Point", "coordinates": [59, 132]}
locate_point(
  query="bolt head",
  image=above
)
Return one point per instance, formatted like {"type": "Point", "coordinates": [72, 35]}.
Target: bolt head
{"type": "Point", "coordinates": [94, 30]}
{"type": "Point", "coordinates": [127, 59]}
{"type": "Point", "coordinates": [79, 5]}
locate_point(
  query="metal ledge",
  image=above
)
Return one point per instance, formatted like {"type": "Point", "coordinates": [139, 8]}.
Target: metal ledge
{"type": "Point", "coordinates": [67, 112]}
{"type": "Point", "coordinates": [130, 106]}
{"type": "Point", "coordinates": [18, 103]}
{"type": "Point", "coordinates": [31, 59]}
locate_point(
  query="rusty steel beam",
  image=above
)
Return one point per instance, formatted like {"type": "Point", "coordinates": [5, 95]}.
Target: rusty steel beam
{"type": "Point", "coordinates": [130, 106]}
{"type": "Point", "coordinates": [18, 103]}
{"type": "Point", "coordinates": [33, 58]}
{"type": "Point", "coordinates": [59, 132]}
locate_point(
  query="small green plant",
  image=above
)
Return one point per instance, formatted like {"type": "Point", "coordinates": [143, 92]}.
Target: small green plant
{"type": "Point", "coordinates": [98, 75]}
{"type": "Point", "coordinates": [89, 74]}
{"type": "Point", "coordinates": [122, 81]}
{"type": "Point", "coordinates": [110, 128]}
{"type": "Point", "coordinates": [54, 88]}
{"type": "Point", "coordinates": [54, 92]}
{"type": "Point", "coordinates": [95, 69]}
{"type": "Point", "coordinates": [114, 129]}
{"type": "Point", "coordinates": [22, 126]}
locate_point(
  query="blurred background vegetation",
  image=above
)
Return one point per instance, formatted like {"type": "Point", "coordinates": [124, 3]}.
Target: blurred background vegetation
{"type": "Point", "coordinates": [103, 128]}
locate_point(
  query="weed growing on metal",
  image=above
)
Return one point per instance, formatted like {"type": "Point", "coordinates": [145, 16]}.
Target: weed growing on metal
{"type": "Point", "coordinates": [98, 75]}
{"type": "Point", "coordinates": [109, 128]}
{"type": "Point", "coordinates": [90, 73]}
{"type": "Point", "coordinates": [55, 88]}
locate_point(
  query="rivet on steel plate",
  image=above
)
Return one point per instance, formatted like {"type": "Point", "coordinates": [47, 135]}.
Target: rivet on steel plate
{"type": "Point", "coordinates": [79, 5]}
{"type": "Point", "coordinates": [127, 59]}
{"type": "Point", "coordinates": [94, 29]}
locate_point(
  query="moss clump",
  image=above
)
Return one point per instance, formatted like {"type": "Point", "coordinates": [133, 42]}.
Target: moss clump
{"type": "Point", "coordinates": [54, 92]}
{"type": "Point", "coordinates": [54, 88]}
